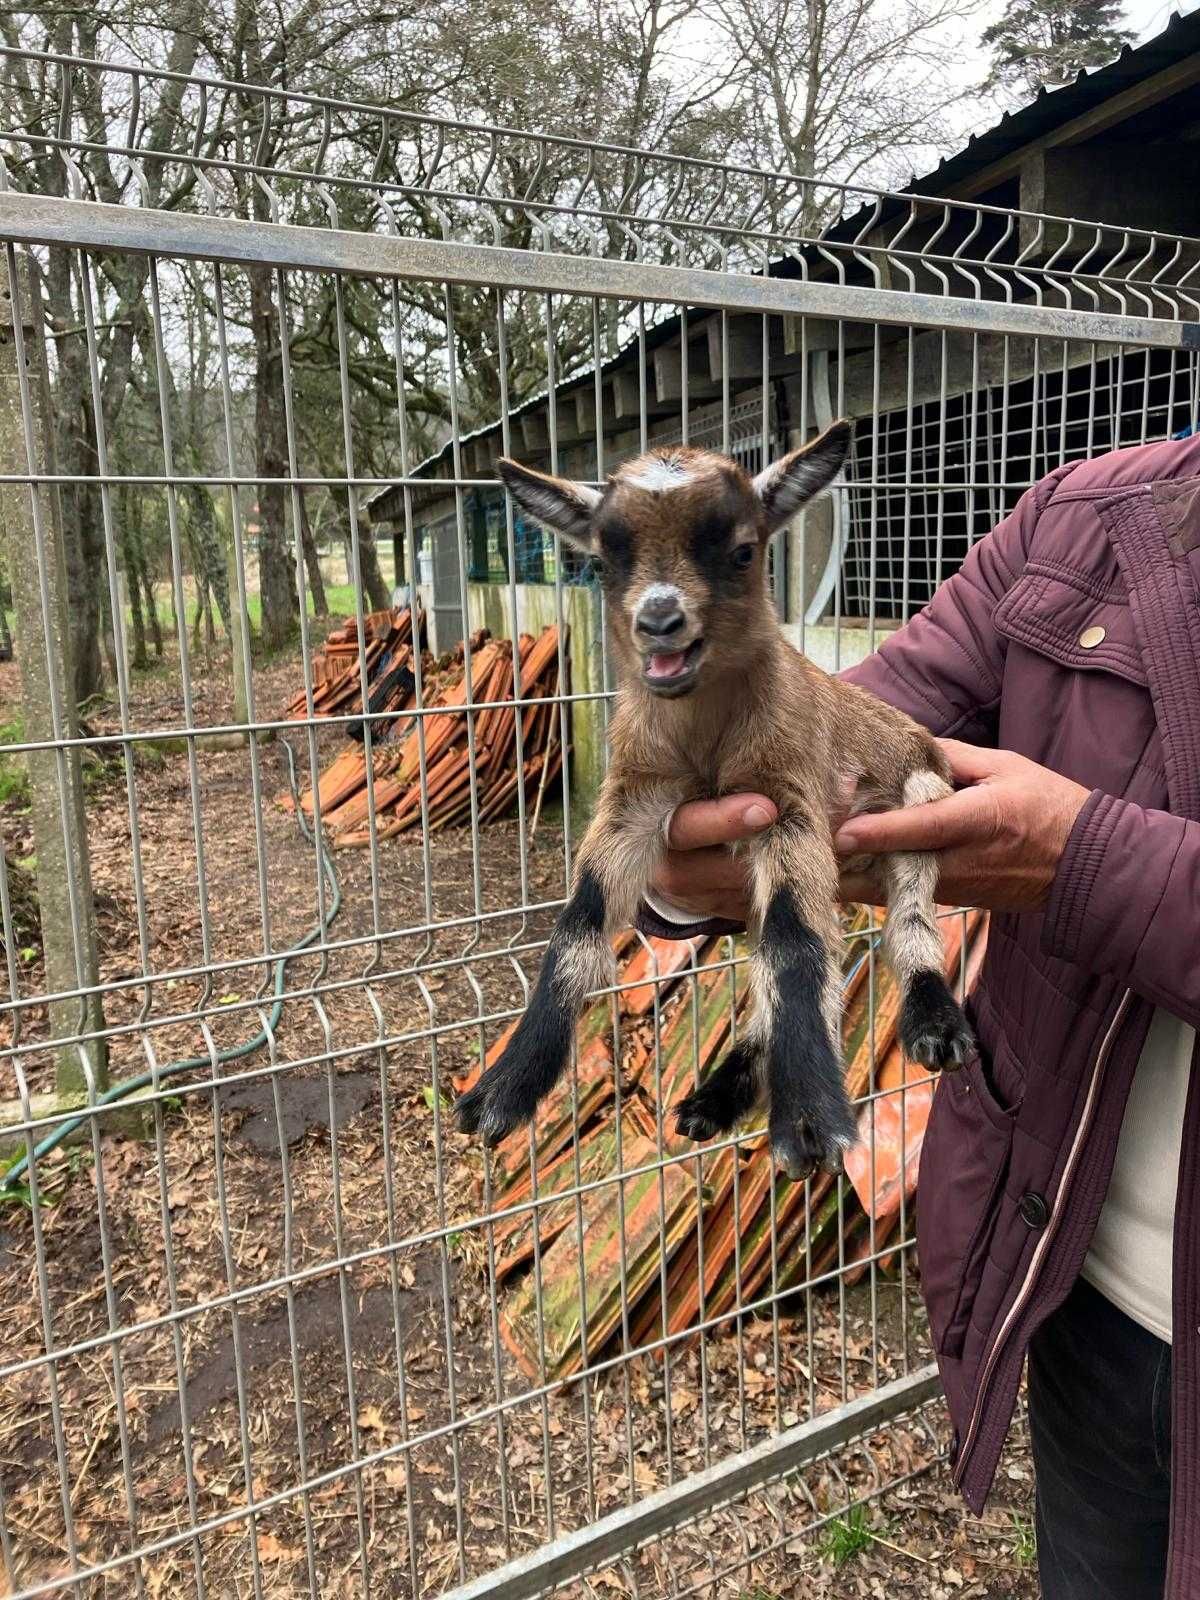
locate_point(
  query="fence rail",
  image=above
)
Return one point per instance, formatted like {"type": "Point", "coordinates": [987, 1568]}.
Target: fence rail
{"type": "Point", "coordinates": [92, 224]}
{"type": "Point", "coordinates": [277, 1327]}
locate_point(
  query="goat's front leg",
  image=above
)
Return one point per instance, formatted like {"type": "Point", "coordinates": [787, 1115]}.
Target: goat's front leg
{"type": "Point", "coordinates": [932, 1027]}
{"type": "Point", "coordinates": [792, 1049]}
{"type": "Point", "coordinates": [615, 861]}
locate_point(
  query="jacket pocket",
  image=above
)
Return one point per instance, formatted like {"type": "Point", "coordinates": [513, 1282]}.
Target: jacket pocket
{"type": "Point", "coordinates": [964, 1163]}
{"type": "Point", "coordinates": [1073, 620]}
{"type": "Point", "coordinates": [1075, 695]}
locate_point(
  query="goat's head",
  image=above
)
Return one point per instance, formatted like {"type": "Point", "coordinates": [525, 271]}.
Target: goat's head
{"type": "Point", "coordinates": [682, 536]}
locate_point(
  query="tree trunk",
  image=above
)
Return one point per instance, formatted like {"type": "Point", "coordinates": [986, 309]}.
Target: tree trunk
{"type": "Point", "coordinates": [108, 633]}
{"type": "Point", "coordinates": [312, 560]}
{"type": "Point", "coordinates": [75, 450]}
{"type": "Point", "coordinates": [140, 659]}
{"type": "Point", "coordinates": [370, 574]}
{"type": "Point", "coordinates": [131, 557]}
{"type": "Point", "coordinates": [6, 644]}
{"type": "Point", "coordinates": [375, 592]}
{"type": "Point", "coordinates": [74, 444]}
{"type": "Point", "coordinates": [152, 609]}
{"type": "Point", "coordinates": [47, 692]}
{"type": "Point", "coordinates": [201, 603]}
{"type": "Point", "coordinates": [275, 577]}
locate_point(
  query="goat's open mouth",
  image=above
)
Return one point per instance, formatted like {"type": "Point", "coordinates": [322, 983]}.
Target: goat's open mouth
{"type": "Point", "coordinates": [672, 672]}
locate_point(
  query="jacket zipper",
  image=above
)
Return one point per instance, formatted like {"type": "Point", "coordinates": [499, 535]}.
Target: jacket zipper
{"type": "Point", "coordinates": [1044, 1243]}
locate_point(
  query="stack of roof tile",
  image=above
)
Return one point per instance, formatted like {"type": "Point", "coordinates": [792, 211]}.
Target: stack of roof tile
{"type": "Point", "coordinates": [686, 1241]}
{"type": "Point", "coordinates": [387, 637]}
{"type": "Point", "coordinates": [425, 769]}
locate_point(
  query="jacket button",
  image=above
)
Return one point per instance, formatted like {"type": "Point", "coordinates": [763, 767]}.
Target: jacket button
{"type": "Point", "coordinates": [1034, 1211]}
{"type": "Point", "coordinates": [1091, 637]}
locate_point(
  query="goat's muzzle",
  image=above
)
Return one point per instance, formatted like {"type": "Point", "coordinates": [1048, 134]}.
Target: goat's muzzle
{"type": "Point", "coordinates": [667, 641]}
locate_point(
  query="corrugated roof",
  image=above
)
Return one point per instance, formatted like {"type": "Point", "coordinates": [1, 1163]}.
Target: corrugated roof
{"type": "Point", "coordinates": [1051, 108]}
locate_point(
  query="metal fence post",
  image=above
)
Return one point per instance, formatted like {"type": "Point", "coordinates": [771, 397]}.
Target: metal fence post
{"type": "Point", "coordinates": [32, 531]}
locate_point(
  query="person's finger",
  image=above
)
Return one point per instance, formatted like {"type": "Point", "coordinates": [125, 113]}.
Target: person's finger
{"type": "Point", "coordinates": [971, 763]}
{"type": "Point", "coordinates": [962, 818]}
{"type": "Point", "coordinates": [700, 823]}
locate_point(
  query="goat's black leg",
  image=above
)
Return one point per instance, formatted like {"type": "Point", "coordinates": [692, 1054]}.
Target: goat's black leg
{"type": "Point", "coordinates": [811, 1121]}
{"type": "Point", "coordinates": [577, 960]}
{"type": "Point", "coordinates": [933, 1030]}
{"type": "Point", "coordinates": [726, 1097]}
{"type": "Point", "coordinates": [796, 982]}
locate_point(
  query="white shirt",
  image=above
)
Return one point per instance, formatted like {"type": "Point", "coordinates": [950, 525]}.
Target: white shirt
{"type": "Point", "coordinates": [1130, 1258]}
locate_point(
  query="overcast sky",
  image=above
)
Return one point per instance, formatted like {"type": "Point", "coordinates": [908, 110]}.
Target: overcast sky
{"type": "Point", "coordinates": [1150, 16]}
{"type": "Point", "coordinates": [965, 65]}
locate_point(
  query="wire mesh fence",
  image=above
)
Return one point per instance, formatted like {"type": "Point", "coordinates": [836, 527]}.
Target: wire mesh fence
{"type": "Point", "coordinates": [270, 903]}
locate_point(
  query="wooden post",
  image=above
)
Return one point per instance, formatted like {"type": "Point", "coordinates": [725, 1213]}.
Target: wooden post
{"type": "Point", "coordinates": [29, 515]}
{"type": "Point", "coordinates": [239, 642]}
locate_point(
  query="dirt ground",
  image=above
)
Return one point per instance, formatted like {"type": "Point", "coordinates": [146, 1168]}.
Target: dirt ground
{"type": "Point", "coordinates": [211, 1355]}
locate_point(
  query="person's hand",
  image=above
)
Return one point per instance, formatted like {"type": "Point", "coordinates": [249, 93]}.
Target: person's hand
{"type": "Point", "coordinates": [698, 873]}
{"type": "Point", "coordinates": [998, 839]}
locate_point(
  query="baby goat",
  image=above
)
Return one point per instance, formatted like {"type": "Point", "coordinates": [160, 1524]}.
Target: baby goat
{"type": "Point", "coordinates": [712, 699]}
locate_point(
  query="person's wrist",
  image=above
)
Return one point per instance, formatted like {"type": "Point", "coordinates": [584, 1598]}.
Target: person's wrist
{"type": "Point", "coordinates": [670, 910]}
{"type": "Point", "coordinates": [1078, 866]}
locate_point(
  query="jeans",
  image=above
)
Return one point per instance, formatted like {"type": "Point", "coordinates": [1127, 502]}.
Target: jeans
{"type": "Point", "coordinates": [1100, 1422]}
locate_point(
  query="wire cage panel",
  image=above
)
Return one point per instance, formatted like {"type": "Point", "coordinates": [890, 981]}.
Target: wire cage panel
{"type": "Point", "coordinates": [277, 1328]}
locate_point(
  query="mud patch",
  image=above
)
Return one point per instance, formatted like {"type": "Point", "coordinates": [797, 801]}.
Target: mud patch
{"type": "Point", "coordinates": [303, 1104]}
{"type": "Point", "coordinates": [371, 1320]}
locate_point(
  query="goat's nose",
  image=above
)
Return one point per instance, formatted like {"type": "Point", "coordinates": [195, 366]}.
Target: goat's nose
{"type": "Point", "coordinates": [660, 617]}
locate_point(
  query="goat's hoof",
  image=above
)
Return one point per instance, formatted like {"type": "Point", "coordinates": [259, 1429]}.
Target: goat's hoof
{"type": "Point", "coordinates": [801, 1151]}
{"type": "Point", "coordinates": [482, 1110]}
{"type": "Point", "coordinates": [933, 1031]}
{"type": "Point", "coordinates": [702, 1115]}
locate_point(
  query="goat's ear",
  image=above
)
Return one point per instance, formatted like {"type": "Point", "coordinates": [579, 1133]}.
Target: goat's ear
{"type": "Point", "coordinates": [792, 482]}
{"type": "Point", "coordinates": [560, 504]}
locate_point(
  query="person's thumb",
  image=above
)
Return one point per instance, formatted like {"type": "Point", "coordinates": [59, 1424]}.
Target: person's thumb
{"type": "Point", "coordinates": [701, 823]}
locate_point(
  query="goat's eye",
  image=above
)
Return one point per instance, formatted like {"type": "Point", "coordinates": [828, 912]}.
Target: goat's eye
{"type": "Point", "coordinates": [743, 556]}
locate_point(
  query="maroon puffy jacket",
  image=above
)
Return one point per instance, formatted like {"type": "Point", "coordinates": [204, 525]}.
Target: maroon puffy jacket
{"type": "Point", "coordinates": [1020, 1144]}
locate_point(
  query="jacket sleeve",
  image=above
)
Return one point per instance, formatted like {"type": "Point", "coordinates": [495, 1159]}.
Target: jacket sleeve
{"type": "Point", "coordinates": [1126, 900]}
{"type": "Point", "coordinates": [945, 667]}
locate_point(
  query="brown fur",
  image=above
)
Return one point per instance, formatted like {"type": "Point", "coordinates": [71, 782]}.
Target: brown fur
{"type": "Point", "coordinates": [761, 716]}
{"type": "Point", "coordinates": [757, 716]}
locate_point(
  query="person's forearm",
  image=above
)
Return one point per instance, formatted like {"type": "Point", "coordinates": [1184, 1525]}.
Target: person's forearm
{"type": "Point", "coordinates": [1126, 900]}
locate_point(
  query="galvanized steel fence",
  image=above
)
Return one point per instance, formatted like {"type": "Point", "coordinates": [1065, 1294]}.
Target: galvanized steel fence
{"type": "Point", "coordinates": [273, 1327]}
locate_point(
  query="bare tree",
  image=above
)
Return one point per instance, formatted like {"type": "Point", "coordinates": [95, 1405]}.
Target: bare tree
{"type": "Point", "coordinates": [64, 289]}
{"type": "Point", "coordinates": [838, 89]}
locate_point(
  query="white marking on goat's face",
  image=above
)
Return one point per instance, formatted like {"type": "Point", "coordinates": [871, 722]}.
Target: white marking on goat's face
{"type": "Point", "coordinates": [658, 474]}
{"type": "Point", "coordinates": [657, 594]}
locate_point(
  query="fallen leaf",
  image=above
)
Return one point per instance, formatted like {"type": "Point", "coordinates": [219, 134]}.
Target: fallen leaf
{"type": "Point", "coordinates": [272, 1549]}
